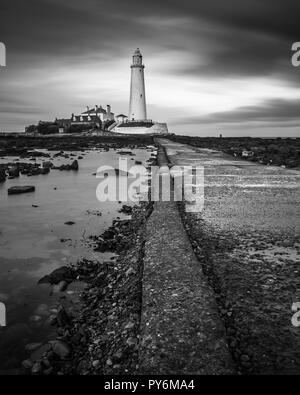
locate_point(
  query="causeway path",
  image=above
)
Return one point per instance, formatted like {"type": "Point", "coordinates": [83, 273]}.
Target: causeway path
{"type": "Point", "coordinates": [181, 331]}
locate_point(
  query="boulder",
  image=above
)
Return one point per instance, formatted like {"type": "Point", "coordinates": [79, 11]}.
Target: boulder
{"type": "Point", "coordinates": [2, 175]}
{"type": "Point", "coordinates": [36, 368]}
{"type": "Point", "coordinates": [13, 172]}
{"type": "Point", "coordinates": [63, 318]}
{"type": "Point", "coordinates": [63, 273]}
{"type": "Point", "coordinates": [61, 349]}
{"type": "Point", "coordinates": [20, 189]}
{"type": "Point", "coordinates": [74, 165]}
{"type": "Point", "coordinates": [47, 165]}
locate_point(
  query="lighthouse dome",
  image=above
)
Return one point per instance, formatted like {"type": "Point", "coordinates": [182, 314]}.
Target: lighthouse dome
{"type": "Point", "coordinates": [137, 58]}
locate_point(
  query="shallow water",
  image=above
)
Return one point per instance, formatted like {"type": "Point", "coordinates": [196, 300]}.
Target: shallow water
{"type": "Point", "coordinates": [31, 246]}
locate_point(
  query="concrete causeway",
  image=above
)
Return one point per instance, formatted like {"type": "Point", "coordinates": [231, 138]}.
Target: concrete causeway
{"type": "Point", "coordinates": [247, 240]}
{"type": "Point", "coordinates": [181, 331]}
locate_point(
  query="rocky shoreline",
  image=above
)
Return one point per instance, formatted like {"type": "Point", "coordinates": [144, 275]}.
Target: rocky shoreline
{"type": "Point", "coordinates": [26, 147]}
{"type": "Point", "coordinates": [101, 336]}
{"type": "Point", "coordinates": [96, 310]}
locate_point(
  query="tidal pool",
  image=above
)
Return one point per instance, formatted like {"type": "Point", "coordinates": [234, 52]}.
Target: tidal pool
{"type": "Point", "coordinates": [34, 240]}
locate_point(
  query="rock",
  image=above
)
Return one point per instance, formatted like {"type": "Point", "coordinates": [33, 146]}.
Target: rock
{"type": "Point", "coordinates": [76, 338]}
{"type": "Point", "coordinates": [117, 357]}
{"type": "Point", "coordinates": [63, 273]}
{"type": "Point", "coordinates": [44, 170]}
{"type": "Point", "coordinates": [287, 243]}
{"type": "Point", "coordinates": [61, 349]}
{"type": "Point", "coordinates": [32, 346]}
{"type": "Point", "coordinates": [13, 172]}
{"type": "Point", "coordinates": [47, 165]}
{"type": "Point", "coordinates": [96, 363]}
{"type": "Point", "coordinates": [36, 368]}
{"type": "Point", "coordinates": [52, 319]}
{"type": "Point", "coordinates": [27, 364]}
{"type": "Point", "coordinates": [109, 362]}
{"type": "Point", "coordinates": [49, 371]}
{"type": "Point", "coordinates": [42, 309]}
{"type": "Point", "coordinates": [74, 165]}
{"type": "Point", "coordinates": [62, 286]}
{"type": "Point", "coordinates": [62, 317]}
{"type": "Point", "coordinates": [20, 189]}
{"type": "Point", "coordinates": [126, 209]}
{"type": "Point", "coordinates": [40, 352]}
{"type": "Point", "coordinates": [35, 318]}
{"type": "Point", "coordinates": [2, 175]}
{"type": "Point", "coordinates": [129, 326]}
{"type": "Point", "coordinates": [125, 153]}
{"type": "Point", "coordinates": [131, 341]}
{"type": "Point", "coordinates": [245, 358]}
{"type": "Point", "coordinates": [129, 272]}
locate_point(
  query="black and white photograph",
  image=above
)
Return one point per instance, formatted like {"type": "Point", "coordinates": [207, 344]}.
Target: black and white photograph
{"type": "Point", "coordinates": [149, 190]}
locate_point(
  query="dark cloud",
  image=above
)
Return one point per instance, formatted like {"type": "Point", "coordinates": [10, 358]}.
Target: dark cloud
{"type": "Point", "coordinates": [212, 39]}
{"type": "Point", "coordinates": [272, 111]}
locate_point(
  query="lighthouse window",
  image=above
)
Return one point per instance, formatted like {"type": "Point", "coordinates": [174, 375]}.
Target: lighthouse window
{"type": "Point", "coordinates": [141, 95]}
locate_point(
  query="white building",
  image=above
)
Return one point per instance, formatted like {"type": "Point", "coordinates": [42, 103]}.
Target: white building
{"type": "Point", "coordinates": [93, 116]}
{"type": "Point", "coordinates": [121, 118]}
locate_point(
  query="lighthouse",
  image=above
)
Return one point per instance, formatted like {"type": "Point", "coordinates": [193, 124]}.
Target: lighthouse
{"type": "Point", "coordinates": [137, 102]}
{"type": "Point", "coordinates": [137, 122]}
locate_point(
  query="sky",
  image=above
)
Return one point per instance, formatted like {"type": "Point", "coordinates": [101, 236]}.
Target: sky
{"type": "Point", "coordinates": [211, 66]}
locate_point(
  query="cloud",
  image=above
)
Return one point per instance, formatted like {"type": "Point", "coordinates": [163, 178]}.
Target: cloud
{"type": "Point", "coordinates": [202, 57]}
{"type": "Point", "coordinates": [272, 111]}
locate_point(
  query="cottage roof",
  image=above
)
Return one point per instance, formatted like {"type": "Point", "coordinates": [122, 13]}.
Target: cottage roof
{"type": "Point", "coordinates": [99, 110]}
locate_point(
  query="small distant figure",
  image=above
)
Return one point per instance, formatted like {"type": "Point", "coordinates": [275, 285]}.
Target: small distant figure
{"type": "Point", "coordinates": [2, 55]}
{"type": "Point", "coordinates": [2, 314]}
{"type": "Point", "coordinates": [220, 136]}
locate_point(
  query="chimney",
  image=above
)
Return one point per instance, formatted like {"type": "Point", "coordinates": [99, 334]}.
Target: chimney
{"type": "Point", "coordinates": [88, 108]}
{"type": "Point", "coordinates": [96, 108]}
{"type": "Point", "coordinates": [108, 108]}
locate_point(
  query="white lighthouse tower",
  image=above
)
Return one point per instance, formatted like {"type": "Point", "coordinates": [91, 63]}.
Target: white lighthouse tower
{"type": "Point", "coordinates": [137, 103]}
{"type": "Point", "coordinates": [137, 122]}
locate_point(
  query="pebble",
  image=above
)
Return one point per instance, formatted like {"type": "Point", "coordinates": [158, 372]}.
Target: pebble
{"type": "Point", "coordinates": [35, 318]}
{"type": "Point", "coordinates": [109, 362]}
{"type": "Point", "coordinates": [62, 349]}
{"type": "Point", "coordinates": [131, 341]}
{"type": "Point", "coordinates": [42, 309]}
{"type": "Point", "coordinates": [52, 319]}
{"type": "Point", "coordinates": [27, 364]}
{"type": "Point", "coordinates": [32, 346]}
{"type": "Point", "coordinates": [96, 363]}
{"type": "Point", "coordinates": [245, 358]}
{"type": "Point", "coordinates": [129, 326]}
{"type": "Point", "coordinates": [36, 368]}
{"type": "Point", "coordinates": [129, 272]}
{"type": "Point", "coordinates": [63, 318]}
